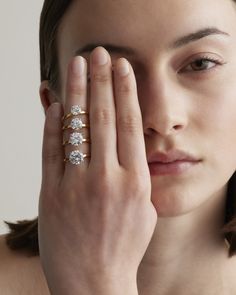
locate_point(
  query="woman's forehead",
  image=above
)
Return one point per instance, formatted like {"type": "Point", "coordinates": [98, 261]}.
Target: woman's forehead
{"type": "Point", "coordinates": [91, 18]}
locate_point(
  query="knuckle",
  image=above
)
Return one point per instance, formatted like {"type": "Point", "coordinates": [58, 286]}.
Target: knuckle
{"type": "Point", "coordinates": [50, 129]}
{"type": "Point", "coordinates": [137, 188]}
{"type": "Point", "coordinates": [46, 202]}
{"type": "Point", "coordinates": [51, 156]}
{"type": "Point", "coordinates": [124, 88]}
{"type": "Point", "coordinates": [104, 116]}
{"type": "Point", "coordinates": [105, 182]}
{"type": "Point", "coordinates": [105, 187]}
{"type": "Point", "coordinates": [140, 181]}
{"type": "Point", "coordinates": [101, 77]}
{"type": "Point", "coordinates": [129, 123]}
{"type": "Point", "coordinates": [76, 88]}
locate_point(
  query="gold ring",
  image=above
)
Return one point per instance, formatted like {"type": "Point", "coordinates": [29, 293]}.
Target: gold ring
{"type": "Point", "coordinates": [75, 124]}
{"type": "Point", "coordinates": [70, 115]}
{"type": "Point", "coordinates": [76, 157]}
{"type": "Point", "coordinates": [67, 142]}
{"type": "Point", "coordinates": [76, 139]}
{"type": "Point", "coordinates": [71, 127]}
{"type": "Point", "coordinates": [75, 111]}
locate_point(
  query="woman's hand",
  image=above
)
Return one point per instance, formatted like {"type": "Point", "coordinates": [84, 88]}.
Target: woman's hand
{"type": "Point", "coordinates": [96, 219]}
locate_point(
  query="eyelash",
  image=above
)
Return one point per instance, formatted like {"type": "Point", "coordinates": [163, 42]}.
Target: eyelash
{"type": "Point", "coordinates": [204, 58]}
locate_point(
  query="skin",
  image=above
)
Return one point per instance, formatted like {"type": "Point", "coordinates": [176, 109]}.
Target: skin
{"type": "Point", "coordinates": [191, 111]}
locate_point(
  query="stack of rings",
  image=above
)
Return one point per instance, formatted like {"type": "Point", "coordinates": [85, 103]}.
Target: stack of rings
{"type": "Point", "coordinates": [76, 138]}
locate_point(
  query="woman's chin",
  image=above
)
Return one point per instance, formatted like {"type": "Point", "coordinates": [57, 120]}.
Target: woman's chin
{"type": "Point", "coordinates": [174, 204]}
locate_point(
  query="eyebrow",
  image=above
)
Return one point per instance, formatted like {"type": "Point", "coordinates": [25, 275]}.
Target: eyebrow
{"type": "Point", "coordinates": [180, 42]}
{"type": "Point", "coordinates": [196, 36]}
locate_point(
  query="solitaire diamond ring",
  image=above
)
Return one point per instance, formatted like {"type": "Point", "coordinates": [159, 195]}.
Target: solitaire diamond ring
{"type": "Point", "coordinates": [75, 111]}
{"type": "Point", "coordinates": [75, 124]}
{"type": "Point", "coordinates": [76, 157]}
{"type": "Point", "coordinates": [76, 139]}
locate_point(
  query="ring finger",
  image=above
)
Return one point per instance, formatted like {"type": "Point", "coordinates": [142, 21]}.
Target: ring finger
{"type": "Point", "coordinates": [76, 95]}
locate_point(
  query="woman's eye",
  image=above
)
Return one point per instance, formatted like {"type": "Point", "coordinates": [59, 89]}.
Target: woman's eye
{"type": "Point", "coordinates": [201, 64]}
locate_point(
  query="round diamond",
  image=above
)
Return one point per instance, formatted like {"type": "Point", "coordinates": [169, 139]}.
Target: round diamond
{"type": "Point", "coordinates": [76, 110]}
{"type": "Point", "coordinates": [76, 138]}
{"type": "Point", "coordinates": [76, 123]}
{"type": "Point", "coordinates": [76, 157]}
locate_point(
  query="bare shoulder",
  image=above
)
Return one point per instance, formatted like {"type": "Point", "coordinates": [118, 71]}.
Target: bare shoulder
{"type": "Point", "coordinates": [19, 273]}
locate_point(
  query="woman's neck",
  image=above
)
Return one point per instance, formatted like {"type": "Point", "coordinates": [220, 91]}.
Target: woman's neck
{"type": "Point", "coordinates": [187, 254]}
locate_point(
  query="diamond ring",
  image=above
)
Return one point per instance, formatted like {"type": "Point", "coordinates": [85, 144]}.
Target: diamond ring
{"type": "Point", "coordinates": [75, 111]}
{"type": "Point", "coordinates": [75, 124]}
{"type": "Point", "coordinates": [76, 139]}
{"type": "Point", "coordinates": [76, 157]}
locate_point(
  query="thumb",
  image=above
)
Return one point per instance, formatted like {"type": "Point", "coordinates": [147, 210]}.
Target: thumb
{"type": "Point", "coordinates": [53, 150]}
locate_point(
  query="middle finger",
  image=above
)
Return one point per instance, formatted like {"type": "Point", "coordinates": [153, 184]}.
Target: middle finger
{"type": "Point", "coordinates": [102, 109]}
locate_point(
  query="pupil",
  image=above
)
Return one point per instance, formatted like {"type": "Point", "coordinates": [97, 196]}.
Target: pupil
{"type": "Point", "coordinates": [200, 63]}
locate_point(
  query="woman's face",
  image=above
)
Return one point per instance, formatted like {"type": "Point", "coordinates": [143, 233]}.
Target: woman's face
{"type": "Point", "coordinates": [199, 97]}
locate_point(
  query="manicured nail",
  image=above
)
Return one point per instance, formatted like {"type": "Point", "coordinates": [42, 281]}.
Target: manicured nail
{"type": "Point", "coordinates": [78, 66]}
{"type": "Point", "coordinates": [100, 56]}
{"type": "Point", "coordinates": [123, 67]}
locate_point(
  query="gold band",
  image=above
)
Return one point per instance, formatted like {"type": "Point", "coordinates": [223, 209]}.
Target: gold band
{"type": "Point", "coordinates": [84, 156]}
{"type": "Point", "coordinates": [65, 117]}
{"type": "Point", "coordinates": [67, 142]}
{"type": "Point", "coordinates": [70, 127]}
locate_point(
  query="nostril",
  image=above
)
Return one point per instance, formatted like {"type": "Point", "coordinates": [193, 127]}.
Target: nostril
{"type": "Point", "coordinates": [149, 131]}
{"type": "Point", "coordinates": [177, 127]}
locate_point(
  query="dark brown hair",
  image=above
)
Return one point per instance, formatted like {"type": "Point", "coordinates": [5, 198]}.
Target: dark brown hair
{"type": "Point", "coordinates": [24, 234]}
{"type": "Point", "coordinates": [50, 19]}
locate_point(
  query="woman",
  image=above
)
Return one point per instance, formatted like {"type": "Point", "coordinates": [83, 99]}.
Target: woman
{"type": "Point", "coordinates": [150, 207]}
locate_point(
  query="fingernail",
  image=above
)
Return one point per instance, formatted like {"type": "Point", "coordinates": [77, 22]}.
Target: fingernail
{"type": "Point", "coordinates": [100, 57]}
{"type": "Point", "coordinates": [55, 110]}
{"type": "Point", "coordinates": [78, 66]}
{"type": "Point", "coordinates": [123, 67]}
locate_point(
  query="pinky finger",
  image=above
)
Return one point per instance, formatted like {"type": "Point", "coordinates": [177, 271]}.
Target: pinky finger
{"type": "Point", "coordinates": [53, 151]}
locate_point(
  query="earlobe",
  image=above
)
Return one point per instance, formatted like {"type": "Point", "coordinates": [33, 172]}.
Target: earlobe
{"type": "Point", "coordinates": [46, 95]}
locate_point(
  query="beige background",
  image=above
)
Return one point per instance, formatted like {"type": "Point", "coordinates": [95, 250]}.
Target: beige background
{"type": "Point", "coordinates": [22, 117]}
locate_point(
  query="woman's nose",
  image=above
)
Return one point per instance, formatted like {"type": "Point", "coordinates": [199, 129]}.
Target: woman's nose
{"type": "Point", "coordinates": [164, 109]}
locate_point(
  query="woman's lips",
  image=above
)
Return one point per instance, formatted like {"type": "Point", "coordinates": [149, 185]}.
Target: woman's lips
{"type": "Point", "coordinates": [172, 168]}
